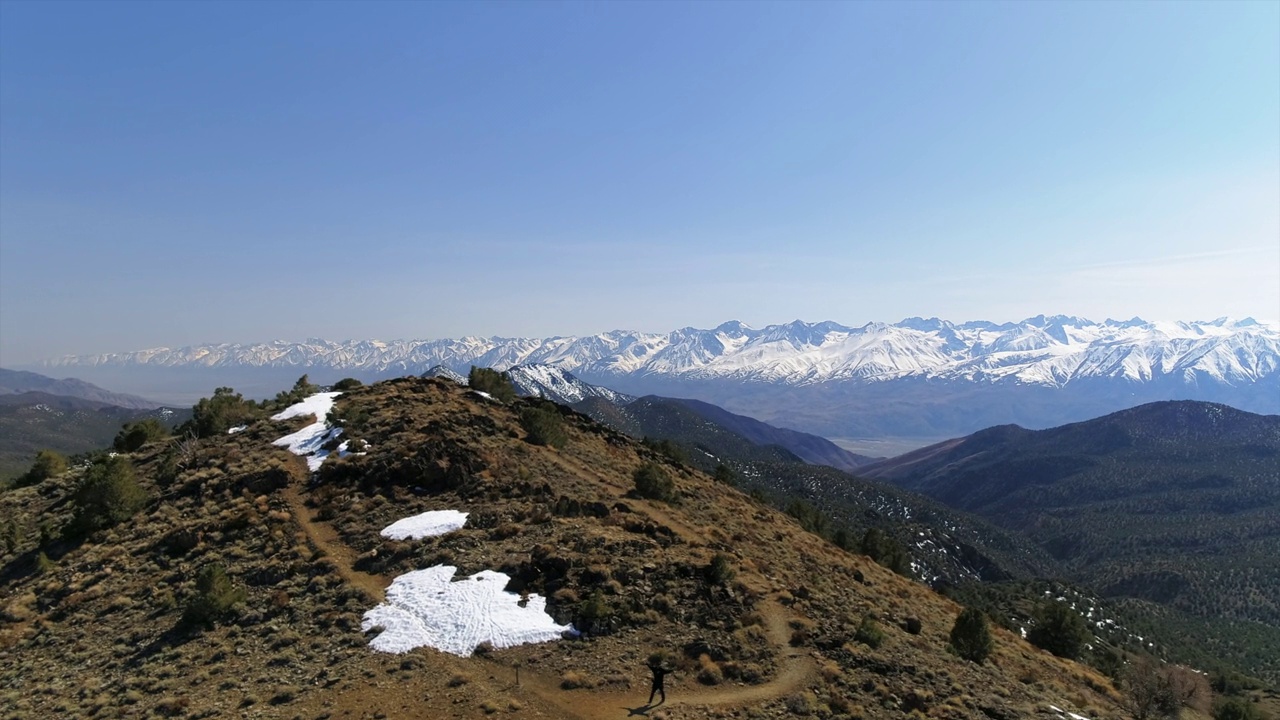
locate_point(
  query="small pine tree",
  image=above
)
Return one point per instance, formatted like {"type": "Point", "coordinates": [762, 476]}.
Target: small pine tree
{"type": "Point", "coordinates": [497, 385]}
{"type": "Point", "coordinates": [108, 494]}
{"type": "Point", "coordinates": [10, 535]}
{"type": "Point", "coordinates": [544, 425]}
{"type": "Point", "coordinates": [1060, 630]}
{"type": "Point", "coordinates": [216, 415]}
{"type": "Point", "coordinates": [347, 384]}
{"type": "Point", "coordinates": [215, 597]}
{"type": "Point", "coordinates": [136, 434]}
{"type": "Point", "coordinates": [654, 482]}
{"type": "Point", "coordinates": [970, 636]}
{"type": "Point", "coordinates": [726, 475]}
{"type": "Point", "coordinates": [47, 464]}
{"type": "Point", "coordinates": [886, 551]}
{"type": "Point", "coordinates": [44, 565]}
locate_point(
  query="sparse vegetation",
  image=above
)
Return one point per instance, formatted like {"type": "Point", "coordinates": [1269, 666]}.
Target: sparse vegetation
{"type": "Point", "coordinates": [653, 482]}
{"type": "Point", "coordinates": [970, 636]}
{"type": "Point", "coordinates": [215, 597]}
{"type": "Point", "coordinates": [216, 415]}
{"type": "Point", "coordinates": [136, 434]}
{"type": "Point", "coordinates": [108, 494]}
{"type": "Point", "coordinates": [1060, 630]}
{"type": "Point", "coordinates": [543, 424]}
{"type": "Point", "coordinates": [496, 384]}
{"type": "Point", "coordinates": [47, 464]}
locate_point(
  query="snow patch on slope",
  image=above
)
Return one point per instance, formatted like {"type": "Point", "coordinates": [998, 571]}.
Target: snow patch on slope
{"type": "Point", "coordinates": [427, 524]}
{"type": "Point", "coordinates": [309, 441]}
{"type": "Point", "coordinates": [426, 607]}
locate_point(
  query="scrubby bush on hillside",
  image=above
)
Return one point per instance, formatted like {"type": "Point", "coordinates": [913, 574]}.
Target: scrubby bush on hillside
{"type": "Point", "coordinates": [218, 414]}
{"type": "Point", "coordinates": [108, 494]}
{"type": "Point", "coordinates": [347, 384]}
{"type": "Point", "coordinates": [672, 451]}
{"type": "Point", "coordinates": [869, 632]}
{"type": "Point", "coordinates": [652, 481]}
{"type": "Point", "coordinates": [47, 464]}
{"type": "Point", "coordinates": [214, 599]}
{"type": "Point", "coordinates": [301, 389]}
{"type": "Point", "coordinates": [497, 385]}
{"type": "Point", "coordinates": [970, 636]}
{"type": "Point", "coordinates": [544, 425]}
{"type": "Point", "coordinates": [1060, 630]}
{"type": "Point", "coordinates": [136, 434]}
{"type": "Point", "coordinates": [720, 571]}
{"type": "Point", "coordinates": [1237, 709]}
{"type": "Point", "coordinates": [725, 475]}
{"type": "Point", "coordinates": [886, 551]}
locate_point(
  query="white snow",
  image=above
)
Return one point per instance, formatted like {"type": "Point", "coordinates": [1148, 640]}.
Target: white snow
{"type": "Point", "coordinates": [236, 429]}
{"type": "Point", "coordinates": [425, 607]}
{"type": "Point", "coordinates": [428, 524]}
{"type": "Point", "coordinates": [1067, 713]}
{"type": "Point", "coordinates": [308, 441]}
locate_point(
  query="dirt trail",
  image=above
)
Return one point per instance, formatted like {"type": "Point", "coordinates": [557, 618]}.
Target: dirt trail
{"type": "Point", "coordinates": [324, 538]}
{"type": "Point", "coordinates": [794, 671]}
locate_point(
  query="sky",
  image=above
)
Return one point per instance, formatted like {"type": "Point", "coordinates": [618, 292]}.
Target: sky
{"type": "Point", "coordinates": [183, 173]}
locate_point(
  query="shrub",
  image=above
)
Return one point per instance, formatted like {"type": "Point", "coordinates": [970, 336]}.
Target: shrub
{"type": "Point", "coordinates": [654, 482]}
{"type": "Point", "coordinates": [218, 414]}
{"type": "Point", "coordinates": [136, 434]}
{"type": "Point", "coordinates": [302, 388]}
{"type": "Point", "coordinates": [1060, 630]}
{"type": "Point", "coordinates": [47, 464]}
{"type": "Point", "coordinates": [544, 426]}
{"type": "Point", "coordinates": [667, 448]}
{"type": "Point", "coordinates": [720, 571]}
{"type": "Point", "coordinates": [970, 636]}
{"type": "Point", "coordinates": [346, 384]}
{"type": "Point", "coordinates": [869, 632]}
{"type": "Point", "coordinates": [215, 597]}
{"type": "Point", "coordinates": [1236, 709]}
{"type": "Point", "coordinates": [886, 551]}
{"type": "Point", "coordinates": [497, 385]}
{"type": "Point", "coordinates": [108, 494]}
{"type": "Point", "coordinates": [725, 475]}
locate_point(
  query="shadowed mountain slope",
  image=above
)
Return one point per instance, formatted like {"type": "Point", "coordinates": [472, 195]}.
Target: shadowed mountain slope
{"type": "Point", "coordinates": [1170, 502]}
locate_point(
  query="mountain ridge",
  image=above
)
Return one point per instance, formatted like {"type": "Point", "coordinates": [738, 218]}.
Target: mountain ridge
{"type": "Point", "coordinates": [1041, 350]}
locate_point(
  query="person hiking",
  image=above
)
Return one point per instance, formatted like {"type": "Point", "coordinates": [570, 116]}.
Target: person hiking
{"type": "Point", "coordinates": [658, 667]}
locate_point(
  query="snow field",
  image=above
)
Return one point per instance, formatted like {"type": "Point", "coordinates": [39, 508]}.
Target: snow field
{"type": "Point", "coordinates": [426, 607]}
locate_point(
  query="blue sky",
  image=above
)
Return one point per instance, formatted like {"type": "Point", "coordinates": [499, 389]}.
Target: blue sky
{"type": "Point", "coordinates": [177, 173]}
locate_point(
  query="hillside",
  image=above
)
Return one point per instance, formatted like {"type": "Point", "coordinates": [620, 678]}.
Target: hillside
{"type": "Point", "coordinates": [759, 616]}
{"type": "Point", "coordinates": [1173, 503]}
{"type": "Point", "coordinates": [13, 382]}
{"type": "Point", "coordinates": [34, 421]}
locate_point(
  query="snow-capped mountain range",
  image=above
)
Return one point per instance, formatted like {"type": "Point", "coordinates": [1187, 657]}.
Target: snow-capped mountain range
{"type": "Point", "coordinates": [1041, 351]}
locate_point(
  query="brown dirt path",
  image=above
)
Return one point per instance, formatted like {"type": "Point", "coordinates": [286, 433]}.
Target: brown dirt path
{"type": "Point", "coordinates": [795, 670]}
{"type": "Point", "coordinates": [324, 538]}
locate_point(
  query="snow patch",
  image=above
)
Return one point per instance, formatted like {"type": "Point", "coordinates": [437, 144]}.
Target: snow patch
{"type": "Point", "coordinates": [309, 440]}
{"type": "Point", "coordinates": [236, 429]}
{"type": "Point", "coordinates": [425, 607]}
{"type": "Point", "coordinates": [428, 524]}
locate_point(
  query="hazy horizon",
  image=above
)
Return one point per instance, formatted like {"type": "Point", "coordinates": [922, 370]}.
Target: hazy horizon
{"type": "Point", "coordinates": [181, 174]}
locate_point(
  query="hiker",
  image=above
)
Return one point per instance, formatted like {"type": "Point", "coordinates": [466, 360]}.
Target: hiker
{"type": "Point", "coordinates": [659, 672]}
